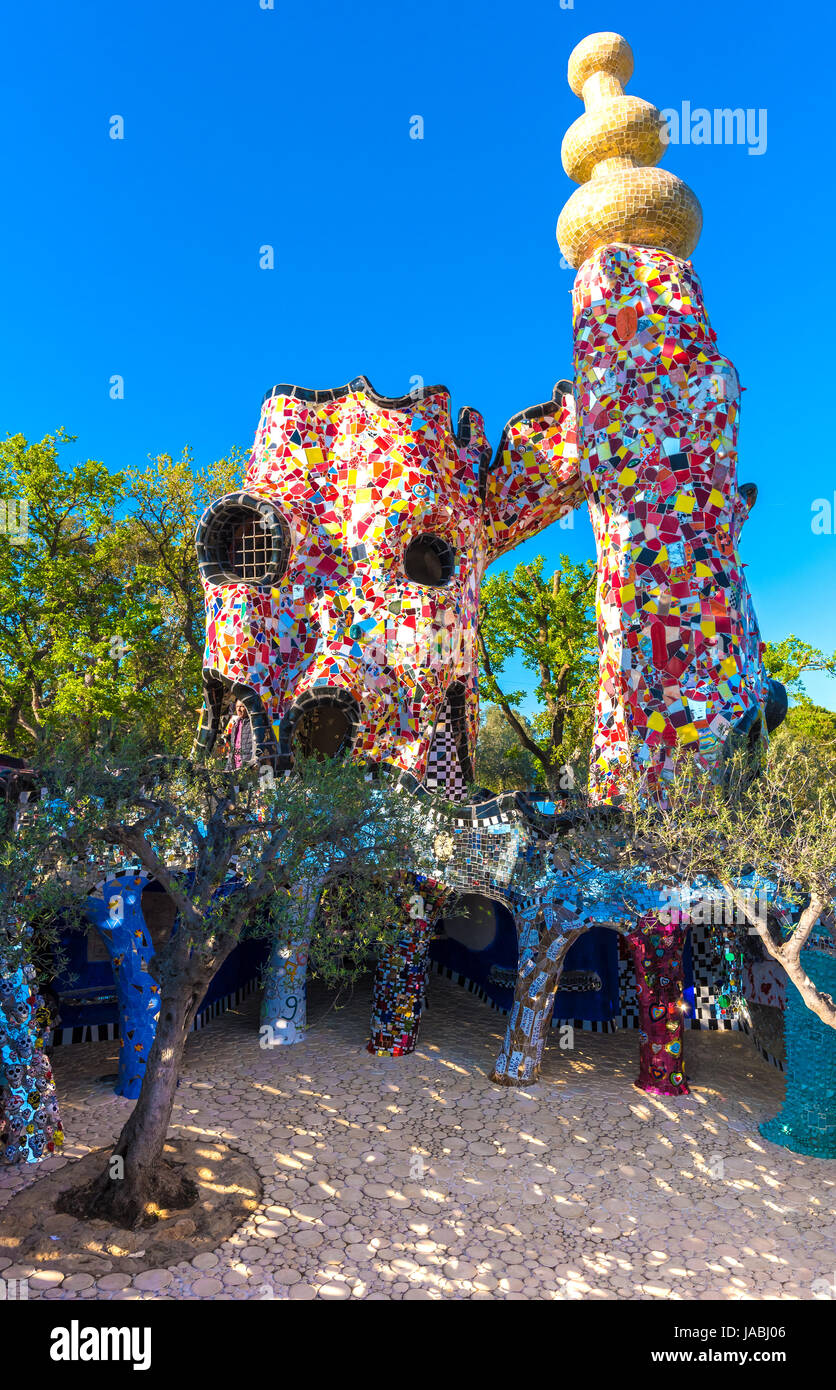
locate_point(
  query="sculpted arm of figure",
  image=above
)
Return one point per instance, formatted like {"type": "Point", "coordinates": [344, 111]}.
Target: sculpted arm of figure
{"type": "Point", "coordinates": [533, 479]}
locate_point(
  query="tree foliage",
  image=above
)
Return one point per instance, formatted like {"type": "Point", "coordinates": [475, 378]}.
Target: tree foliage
{"type": "Point", "coordinates": [550, 623]}
{"type": "Point", "coordinates": [153, 551]}
{"type": "Point", "coordinates": [502, 764]}
{"type": "Point", "coordinates": [101, 611]}
{"type": "Point", "coordinates": [765, 835]}
{"type": "Point", "coordinates": [789, 660]}
{"type": "Point", "coordinates": [807, 724]}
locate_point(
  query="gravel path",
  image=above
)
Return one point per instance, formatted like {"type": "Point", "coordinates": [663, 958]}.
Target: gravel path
{"type": "Point", "coordinates": [416, 1178]}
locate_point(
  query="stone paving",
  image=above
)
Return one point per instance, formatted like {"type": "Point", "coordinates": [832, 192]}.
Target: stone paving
{"type": "Point", "coordinates": [415, 1178]}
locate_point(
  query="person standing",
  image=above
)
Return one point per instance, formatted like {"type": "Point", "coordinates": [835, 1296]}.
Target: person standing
{"type": "Point", "coordinates": [239, 737]}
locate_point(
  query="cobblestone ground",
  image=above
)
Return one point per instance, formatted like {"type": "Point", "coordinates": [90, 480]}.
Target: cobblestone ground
{"type": "Point", "coordinates": [415, 1178]}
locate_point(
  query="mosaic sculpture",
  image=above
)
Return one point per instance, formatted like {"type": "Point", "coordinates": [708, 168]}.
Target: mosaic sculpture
{"type": "Point", "coordinates": [30, 1124]}
{"type": "Point", "coordinates": [342, 582]}
{"type": "Point", "coordinates": [657, 412]}
{"type": "Point", "coordinates": [115, 907]}
{"type": "Point", "coordinates": [342, 590]}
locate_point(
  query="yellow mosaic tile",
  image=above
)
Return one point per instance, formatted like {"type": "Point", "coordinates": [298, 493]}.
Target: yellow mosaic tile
{"type": "Point", "coordinates": [612, 151]}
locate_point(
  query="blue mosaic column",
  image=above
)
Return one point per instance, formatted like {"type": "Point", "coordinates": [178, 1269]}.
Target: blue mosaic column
{"type": "Point", "coordinates": [807, 1121]}
{"type": "Point", "coordinates": [118, 915]}
{"type": "Point", "coordinates": [284, 1004]}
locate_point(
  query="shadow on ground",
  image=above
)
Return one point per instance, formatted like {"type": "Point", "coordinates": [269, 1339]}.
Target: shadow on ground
{"type": "Point", "coordinates": [416, 1178]}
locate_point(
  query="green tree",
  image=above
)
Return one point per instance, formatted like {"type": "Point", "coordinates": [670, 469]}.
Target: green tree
{"type": "Point", "coordinates": [789, 661]}
{"type": "Point", "coordinates": [502, 764]}
{"type": "Point", "coordinates": [191, 826]}
{"type": "Point", "coordinates": [810, 724]}
{"type": "Point", "coordinates": [63, 614]}
{"type": "Point", "coordinates": [550, 623]}
{"type": "Point", "coordinates": [152, 553]}
{"type": "Point", "coordinates": [101, 607]}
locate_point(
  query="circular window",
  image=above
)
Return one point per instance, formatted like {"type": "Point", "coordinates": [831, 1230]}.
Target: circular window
{"type": "Point", "coordinates": [242, 540]}
{"type": "Point", "coordinates": [429, 560]}
{"type": "Point", "coordinates": [323, 725]}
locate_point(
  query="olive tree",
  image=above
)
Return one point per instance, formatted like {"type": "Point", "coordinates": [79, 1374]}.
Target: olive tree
{"type": "Point", "coordinates": [225, 847]}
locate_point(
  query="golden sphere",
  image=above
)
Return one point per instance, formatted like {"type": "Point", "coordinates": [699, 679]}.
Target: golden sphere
{"type": "Point", "coordinates": [603, 52]}
{"type": "Point", "coordinates": [612, 151]}
{"type": "Point", "coordinates": [622, 127]}
{"type": "Point", "coordinates": [638, 207]}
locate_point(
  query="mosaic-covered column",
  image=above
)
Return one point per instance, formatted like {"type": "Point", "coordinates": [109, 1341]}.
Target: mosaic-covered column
{"type": "Point", "coordinates": [806, 1122]}
{"type": "Point", "coordinates": [30, 1123]}
{"type": "Point", "coordinates": [284, 1003]}
{"type": "Point", "coordinates": [656, 948]}
{"type": "Point", "coordinates": [543, 950]}
{"type": "Point", "coordinates": [401, 975]}
{"type": "Point", "coordinates": [657, 408]}
{"type": "Point", "coordinates": [116, 910]}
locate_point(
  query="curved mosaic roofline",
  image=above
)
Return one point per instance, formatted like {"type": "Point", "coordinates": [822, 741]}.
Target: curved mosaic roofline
{"type": "Point", "coordinates": [462, 433]}
{"type": "Point", "coordinates": [534, 412]}
{"type": "Point", "coordinates": [362, 384]}
{"type": "Point", "coordinates": [357, 383]}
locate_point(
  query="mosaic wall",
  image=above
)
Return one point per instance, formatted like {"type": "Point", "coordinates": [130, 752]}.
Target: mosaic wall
{"type": "Point", "coordinates": [806, 1122]}
{"type": "Point", "coordinates": [680, 652]}
{"type": "Point", "coordinates": [342, 584]}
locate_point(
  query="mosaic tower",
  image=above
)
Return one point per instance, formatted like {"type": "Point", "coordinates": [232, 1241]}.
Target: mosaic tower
{"type": "Point", "coordinates": [657, 418]}
{"type": "Point", "coordinates": [342, 595]}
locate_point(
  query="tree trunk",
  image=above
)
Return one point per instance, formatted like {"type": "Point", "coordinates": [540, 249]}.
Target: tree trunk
{"type": "Point", "coordinates": [541, 966]}
{"type": "Point", "coordinates": [656, 948]}
{"type": "Point", "coordinates": [788, 956]}
{"type": "Point", "coordinates": [129, 1193]}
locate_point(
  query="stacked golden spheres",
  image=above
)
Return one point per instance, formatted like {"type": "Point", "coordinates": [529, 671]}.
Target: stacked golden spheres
{"type": "Point", "coordinates": [611, 151]}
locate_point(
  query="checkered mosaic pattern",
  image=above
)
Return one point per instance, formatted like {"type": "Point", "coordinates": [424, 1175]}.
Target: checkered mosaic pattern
{"type": "Point", "coordinates": [444, 769]}
{"type": "Point", "coordinates": [708, 983]}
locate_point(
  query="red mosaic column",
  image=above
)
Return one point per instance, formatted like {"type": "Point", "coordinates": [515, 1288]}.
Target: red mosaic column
{"type": "Point", "coordinates": [656, 948]}
{"type": "Point", "coordinates": [401, 976]}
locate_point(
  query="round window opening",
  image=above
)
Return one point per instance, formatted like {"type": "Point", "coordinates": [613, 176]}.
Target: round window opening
{"type": "Point", "coordinates": [323, 730]}
{"type": "Point", "coordinates": [243, 541]}
{"type": "Point", "coordinates": [429, 560]}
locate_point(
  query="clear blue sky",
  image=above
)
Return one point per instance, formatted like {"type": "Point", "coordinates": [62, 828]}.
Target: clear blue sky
{"type": "Point", "coordinates": [397, 257]}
